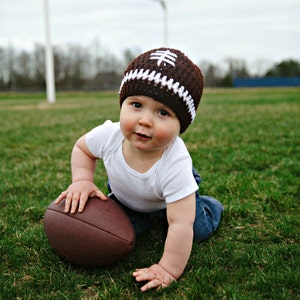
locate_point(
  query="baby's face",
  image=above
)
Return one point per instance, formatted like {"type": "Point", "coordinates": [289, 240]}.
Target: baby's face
{"type": "Point", "coordinates": [148, 124]}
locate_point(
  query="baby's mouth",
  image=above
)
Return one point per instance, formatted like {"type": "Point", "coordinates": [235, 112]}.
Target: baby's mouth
{"type": "Point", "coordinates": [143, 136]}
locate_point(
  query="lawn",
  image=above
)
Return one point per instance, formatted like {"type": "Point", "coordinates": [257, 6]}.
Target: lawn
{"type": "Point", "coordinates": [244, 142]}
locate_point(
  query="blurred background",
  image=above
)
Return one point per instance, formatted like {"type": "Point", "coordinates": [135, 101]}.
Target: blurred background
{"type": "Point", "coordinates": [234, 42]}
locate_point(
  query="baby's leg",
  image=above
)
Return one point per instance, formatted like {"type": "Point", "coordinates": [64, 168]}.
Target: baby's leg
{"type": "Point", "coordinates": [208, 215]}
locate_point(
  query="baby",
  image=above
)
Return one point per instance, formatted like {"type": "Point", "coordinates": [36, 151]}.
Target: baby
{"type": "Point", "coordinates": [149, 168]}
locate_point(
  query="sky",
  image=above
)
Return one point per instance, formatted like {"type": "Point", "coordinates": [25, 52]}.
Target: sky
{"type": "Point", "coordinates": [261, 32]}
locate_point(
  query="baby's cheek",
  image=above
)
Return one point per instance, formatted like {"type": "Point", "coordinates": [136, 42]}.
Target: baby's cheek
{"type": "Point", "coordinates": [165, 136]}
{"type": "Point", "coordinates": [127, 125]}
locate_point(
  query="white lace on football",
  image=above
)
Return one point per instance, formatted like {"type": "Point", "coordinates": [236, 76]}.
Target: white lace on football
{"type": "Point", "coordinates": [164, 81]}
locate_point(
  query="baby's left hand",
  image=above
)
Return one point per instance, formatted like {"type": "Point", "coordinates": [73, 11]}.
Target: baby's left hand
{"type": "Point", "coordinates": [156, 276]}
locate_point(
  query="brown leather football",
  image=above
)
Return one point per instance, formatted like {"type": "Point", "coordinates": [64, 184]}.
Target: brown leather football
{"type": "Point", "coordinates": [100, 235]}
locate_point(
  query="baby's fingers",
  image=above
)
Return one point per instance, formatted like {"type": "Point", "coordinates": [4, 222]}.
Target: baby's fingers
{"type": "Point", "coordinates": [155, 283]}
{"type": "Point", "coordinates": [61, 197]}
{"type": "Point", "coordinates": [141, 274]}
{"type": "Point", "coordinates": [82, 202]}
{"type": "Point", "coordinates": [146, 275]}
{"type": "Point", "coordinates": [99, 194]}
{"type": "Point", "coordinates": [78, 201]}
{"type": "Point", "coordinates": [71, 202]}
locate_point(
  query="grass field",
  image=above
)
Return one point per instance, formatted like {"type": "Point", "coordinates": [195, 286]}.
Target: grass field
{"type": "Point", "coordinates": [246, 145]}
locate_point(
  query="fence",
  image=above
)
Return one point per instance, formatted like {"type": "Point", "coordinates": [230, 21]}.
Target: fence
{"type": "Point", "coordinates": [266, 82]}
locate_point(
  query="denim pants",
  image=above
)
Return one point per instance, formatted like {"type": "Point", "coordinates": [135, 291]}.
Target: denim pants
{"type": "Point", "coordinates": [208, 215]}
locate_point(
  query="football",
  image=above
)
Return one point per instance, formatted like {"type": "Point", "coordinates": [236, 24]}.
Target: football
{"type": "Point", "coordinates": [100, 235]}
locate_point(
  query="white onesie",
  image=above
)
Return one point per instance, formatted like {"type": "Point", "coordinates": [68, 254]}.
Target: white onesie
{"type": "Point", "coordinates": [168, 180]}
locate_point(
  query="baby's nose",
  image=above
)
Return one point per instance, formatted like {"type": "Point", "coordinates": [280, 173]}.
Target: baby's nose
{"type": "Point", "coordinates": [146, 119]}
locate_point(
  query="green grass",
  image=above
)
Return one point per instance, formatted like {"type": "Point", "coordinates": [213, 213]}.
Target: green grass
{"type": "Point", "coordinates": [245, 144]}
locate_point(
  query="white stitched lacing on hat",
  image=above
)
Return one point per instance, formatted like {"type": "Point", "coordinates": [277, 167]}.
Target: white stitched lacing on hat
{"type": "Point", "coordinates": [164, 81]}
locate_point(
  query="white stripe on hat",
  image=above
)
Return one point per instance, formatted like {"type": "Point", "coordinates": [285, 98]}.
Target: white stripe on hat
{"type": "Point", "coordinates": [164, 81]}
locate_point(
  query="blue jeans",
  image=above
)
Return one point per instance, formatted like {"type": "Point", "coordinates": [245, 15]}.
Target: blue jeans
{"type": "Point", "coordinates": [208, 215]}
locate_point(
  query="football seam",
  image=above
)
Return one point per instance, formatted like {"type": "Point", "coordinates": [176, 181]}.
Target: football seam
{"type": "Point", "coordinates": [62, 213]}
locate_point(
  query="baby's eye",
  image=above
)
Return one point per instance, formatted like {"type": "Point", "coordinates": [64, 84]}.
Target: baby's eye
{"type": "Point", "coordinates": [163, 113]}
{"type": "Point", "coordinates": [136, 104]}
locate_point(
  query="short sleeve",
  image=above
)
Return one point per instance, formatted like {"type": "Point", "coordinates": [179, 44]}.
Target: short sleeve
{"type": "Point", "coordinates": [104, 139]}
{"type": "Point", "coordinates": [176, 175]}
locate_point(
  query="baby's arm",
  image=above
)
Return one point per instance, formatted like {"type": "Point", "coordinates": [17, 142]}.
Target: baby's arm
{"type": "Point", "coordinates": [83, 165]}
{"type": "Point", "coordinates": [178, 246]}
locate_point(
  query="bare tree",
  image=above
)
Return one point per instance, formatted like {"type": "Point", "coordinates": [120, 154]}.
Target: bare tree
{"type": "Point", "coordinates": [38, 61]}
{"type": "Point", "coordinates": [78, 67]}
{"type": "Point", "coordinates": [211, 72]}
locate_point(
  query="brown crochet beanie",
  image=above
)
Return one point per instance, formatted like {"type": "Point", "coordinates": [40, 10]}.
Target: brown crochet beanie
{"type": "Point", "coordinates": [167, 76]}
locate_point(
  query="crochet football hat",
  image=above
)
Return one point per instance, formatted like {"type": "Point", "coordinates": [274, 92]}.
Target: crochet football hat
{"type": "Point", "coordinates": [168, 76]}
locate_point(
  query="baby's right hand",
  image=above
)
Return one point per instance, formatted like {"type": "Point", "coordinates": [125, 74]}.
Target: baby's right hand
{"type": "Point", "coordinates": [77, 194]}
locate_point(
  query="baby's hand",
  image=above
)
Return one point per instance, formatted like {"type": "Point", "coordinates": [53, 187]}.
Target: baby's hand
{"type": "Point", "coordinates": [156, 276]}
{"type": "Point", "coordinates": [77, 194]}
